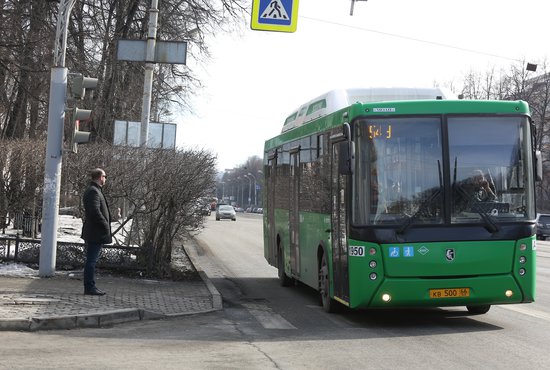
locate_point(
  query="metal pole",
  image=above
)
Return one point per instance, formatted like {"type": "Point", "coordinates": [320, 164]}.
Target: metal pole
{"type": "Point", "coordinates": [255, 194]}
{"type": "Point", "coordinates": [249, 188]}
{"type": "Point", "coordinates": [255, 201]}
{"type": "Point", "coordinates": [149, 69]}
{"type": "Point", "coordinates": [54, 146]}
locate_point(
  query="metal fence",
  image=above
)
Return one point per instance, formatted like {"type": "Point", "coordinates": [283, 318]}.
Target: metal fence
{"type": "Point", "coordinates": [69, 255]}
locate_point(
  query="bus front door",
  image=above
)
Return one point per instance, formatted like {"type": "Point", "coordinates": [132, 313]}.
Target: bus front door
{"type": "Point", "coordinates": [293, 211]}
{"type": "Point", "coordinates": [271, 177]}
{"type": "Point", "coordinates": [339, 227]}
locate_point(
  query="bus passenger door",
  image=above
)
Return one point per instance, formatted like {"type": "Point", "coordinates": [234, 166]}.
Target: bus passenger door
{"type": "Point", "coordinates": [271, 172]}
{"type": "Point", "coordinates": [339, 227]}
{"type": "Point", "coordinates": [293, 211]}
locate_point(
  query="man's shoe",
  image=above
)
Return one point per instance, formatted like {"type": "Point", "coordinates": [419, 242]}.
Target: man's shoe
{"type": "Point", "coordinates": [94, 292]}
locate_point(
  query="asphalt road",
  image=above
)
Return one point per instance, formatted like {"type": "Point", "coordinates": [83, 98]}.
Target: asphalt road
{"type": "Point", "coordinates": [264, 326]}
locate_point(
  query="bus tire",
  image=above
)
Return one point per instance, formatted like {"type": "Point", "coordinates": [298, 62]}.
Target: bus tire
{"type": "Point", "coordinates": [329, 305]}
{"type": "Point", "coordinates": [284, 279]}
{"type": "Point", "coordinates": [479, 310]}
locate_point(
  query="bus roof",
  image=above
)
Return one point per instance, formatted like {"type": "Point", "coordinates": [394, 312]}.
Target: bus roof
{"type": "Point", "coordinates": [340, 98]}
{"type": "Point", "coordinates": [408, 107]}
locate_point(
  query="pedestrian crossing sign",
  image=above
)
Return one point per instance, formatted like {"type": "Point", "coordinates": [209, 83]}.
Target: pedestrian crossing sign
{"type": "Point", "coordinates": [274, 15]}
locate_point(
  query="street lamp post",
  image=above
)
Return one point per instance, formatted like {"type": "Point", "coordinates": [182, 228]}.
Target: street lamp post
{"type": "Point", "coordinates": [242, 189]}
{"type": "Point", "coordinates": [260, 172]}
{"type": "Point", "coordinates": [54, 144]}
{"type": "Point", "coordinates": [249, 187]}
{"type": "Point", "coordinates": [254, 177]}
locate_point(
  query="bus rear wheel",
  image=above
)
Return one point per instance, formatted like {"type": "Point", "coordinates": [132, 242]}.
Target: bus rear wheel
{"type": "Point", "coordinates": [479, 310]}
{"type": "Point", "coordinates": [329, 305]}
{"type": "Point", "coordinates": [284, 279]}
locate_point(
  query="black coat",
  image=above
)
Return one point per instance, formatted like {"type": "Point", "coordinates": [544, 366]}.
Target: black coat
{"type": "Point", "coordinates": [97, 217]}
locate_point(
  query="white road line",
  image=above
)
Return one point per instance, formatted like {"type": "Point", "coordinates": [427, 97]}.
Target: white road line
{"type": "Point", "coordinates": [526, 310]}
{"type": "Point", "coordinates": [267, 317]}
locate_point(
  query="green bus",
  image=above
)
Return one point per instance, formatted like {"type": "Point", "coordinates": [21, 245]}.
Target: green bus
{"type": "Point", "coordinates": [385, 198]}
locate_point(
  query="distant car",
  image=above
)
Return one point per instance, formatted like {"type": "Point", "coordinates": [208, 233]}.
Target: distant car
{"type": "Point", "coordinates": [226, 211]}
{"type": "Point", "coordinates": [239, 209]}
{"type": "Point", "coordinates": [543, 226]}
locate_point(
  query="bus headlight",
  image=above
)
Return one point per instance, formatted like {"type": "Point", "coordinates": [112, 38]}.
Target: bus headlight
{"type": "Point", "coordinates": [373, 276]}
{"type": "Point", "coordinates": [372, 264]}
{"type": "Point", "coordinates": [386, 297]}
{"type": "Point", "coordinates": [522, 259]}
{"type": "Point", "coordinates": [509, 293]}
{"type": "Point", "coordinates": [521, 271]}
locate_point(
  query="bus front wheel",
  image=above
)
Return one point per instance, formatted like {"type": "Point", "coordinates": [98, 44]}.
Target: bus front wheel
{"type": "Point", "coordinates": [479, 310]}
{"type": "Point", "coordinates": [329, 305]}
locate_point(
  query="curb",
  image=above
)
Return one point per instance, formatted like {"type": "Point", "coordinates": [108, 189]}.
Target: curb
{"type": "Point", "coordinates": [216, 296]}
{"type": "Point", "coordinates": [106, 318]}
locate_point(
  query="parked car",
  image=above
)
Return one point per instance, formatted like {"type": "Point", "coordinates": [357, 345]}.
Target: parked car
{"type": "Point", "coordinates": [543, 226]}
{"type": "Point", "coordinates": [226, 211]}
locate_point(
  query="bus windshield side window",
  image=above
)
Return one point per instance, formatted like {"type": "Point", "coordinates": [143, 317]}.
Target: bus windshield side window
{"type": "Point", "coordinates": [488, 165]}
{"type": "Point", "coordinates": [398, 171]}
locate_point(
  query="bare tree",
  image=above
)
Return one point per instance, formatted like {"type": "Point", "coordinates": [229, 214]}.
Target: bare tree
{"type": "Point", "coordinates": [93, 31]}
{"type": "Point", "coordinates": [160, 191]}
{"type": "Point", "coordinates": [22, 169]}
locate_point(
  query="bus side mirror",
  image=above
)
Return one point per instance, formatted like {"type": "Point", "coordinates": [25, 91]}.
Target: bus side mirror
{"type": "Point", "coordinates": [346, 161]}
{"type": "Point", "coordinates": [538, 165]}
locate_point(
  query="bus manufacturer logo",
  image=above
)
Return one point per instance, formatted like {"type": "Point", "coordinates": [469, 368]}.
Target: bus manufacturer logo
{"type": "Point", "coordinates": [383, 110]}
{"type": "Point", "coordinates": [450, 254]}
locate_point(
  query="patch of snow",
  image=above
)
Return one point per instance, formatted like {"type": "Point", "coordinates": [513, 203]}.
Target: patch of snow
{"type": "Point", "coordinates": [16, 269]}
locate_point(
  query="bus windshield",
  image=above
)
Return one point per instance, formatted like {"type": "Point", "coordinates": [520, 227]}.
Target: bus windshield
{"type": "Point", "coordinates": [402, 175]}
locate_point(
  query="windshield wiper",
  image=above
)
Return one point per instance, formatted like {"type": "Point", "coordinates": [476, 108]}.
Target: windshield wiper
{"type": "Point", "coordinates": [423, 206]}
{"type": "Point", "coordinates": [490, 223]}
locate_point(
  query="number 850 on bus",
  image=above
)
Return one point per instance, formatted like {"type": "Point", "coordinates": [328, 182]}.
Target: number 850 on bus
{"type": "Point", "coordinates": [356, 251]}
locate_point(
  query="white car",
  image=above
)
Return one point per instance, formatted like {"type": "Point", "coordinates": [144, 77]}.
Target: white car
{"type": "Point", "coordinates": [226, 211]}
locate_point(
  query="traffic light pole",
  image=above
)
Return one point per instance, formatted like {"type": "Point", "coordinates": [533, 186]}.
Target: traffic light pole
{"type": "Point", "coordinates": [54, 146]}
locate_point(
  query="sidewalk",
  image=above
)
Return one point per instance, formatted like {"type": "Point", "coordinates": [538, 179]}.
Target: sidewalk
{"type": "Point", "coordinates": [29, 303]}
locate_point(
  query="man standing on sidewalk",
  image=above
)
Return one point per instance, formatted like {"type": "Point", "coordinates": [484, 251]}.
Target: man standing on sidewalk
{"type": "Point", "coordinates": [96, 229]}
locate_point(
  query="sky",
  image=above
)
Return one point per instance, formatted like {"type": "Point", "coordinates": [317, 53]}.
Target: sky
{"type": "Point", "coordinates": [255, 79]}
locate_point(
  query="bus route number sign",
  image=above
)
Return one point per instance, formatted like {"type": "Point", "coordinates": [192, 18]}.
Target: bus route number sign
{"type": "Point", "coordinates": [274, 15]}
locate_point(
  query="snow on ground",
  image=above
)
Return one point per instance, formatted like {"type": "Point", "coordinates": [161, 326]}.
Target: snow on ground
{"type": "Point", "coordinates": [68, 230]}
{"type": "Point", "coordinates": [16, 269]}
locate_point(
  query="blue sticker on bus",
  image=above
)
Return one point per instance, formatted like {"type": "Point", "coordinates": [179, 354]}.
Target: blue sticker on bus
{"type": "Point", "coordinates": [408, 251]}
{"type": "Point", "coordinates": [394, 252]}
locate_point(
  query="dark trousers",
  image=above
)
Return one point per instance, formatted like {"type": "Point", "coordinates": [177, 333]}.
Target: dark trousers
{"type": "Point", "coordinates": [92, 255]}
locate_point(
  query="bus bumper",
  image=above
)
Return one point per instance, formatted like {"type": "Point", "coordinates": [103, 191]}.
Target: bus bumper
{"type": "Point", "coordinates": [404, 292]}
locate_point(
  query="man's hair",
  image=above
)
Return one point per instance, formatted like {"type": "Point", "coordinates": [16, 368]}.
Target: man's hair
{"type": "Point", "coordinates": [96, 173]}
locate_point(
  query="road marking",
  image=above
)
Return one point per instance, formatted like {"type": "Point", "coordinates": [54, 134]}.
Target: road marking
{"type": "Point", "coordinates": [524, 309]}
{"type": "Point", "coordinates": [266, 316]}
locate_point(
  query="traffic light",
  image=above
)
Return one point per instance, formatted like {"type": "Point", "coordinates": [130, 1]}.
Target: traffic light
{"type": "Point", "coordinates": [78, 85]}
{"type": "Point", "coordinates": [79, 137]}
{"type": "Point", "coordinates": [76, 89]}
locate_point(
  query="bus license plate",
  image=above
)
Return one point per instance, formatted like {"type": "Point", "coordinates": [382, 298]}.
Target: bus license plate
{"type": "Point", "coordinates": [450, 293]}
